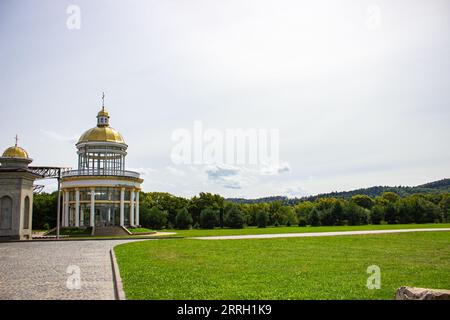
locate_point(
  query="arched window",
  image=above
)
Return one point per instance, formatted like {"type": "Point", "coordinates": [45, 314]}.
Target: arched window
{"type": "Point", "coordinates": [26, 213]}
{"type": "Point", "coordinates": [5, 213]}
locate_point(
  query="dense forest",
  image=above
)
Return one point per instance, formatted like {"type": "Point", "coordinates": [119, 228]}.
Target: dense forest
{"type": "Point", "coordinates": [162, 210]}
{"type": "Point", "coordinates": [440, 186]}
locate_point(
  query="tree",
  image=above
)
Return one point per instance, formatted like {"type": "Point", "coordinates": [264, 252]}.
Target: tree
{"type": "Point", "coordinates": [391, 214]}
{"type": "Point", "coordinates": [154, 218]}
{"type": "Point", "coordinates": [444, 204]}
{"type": "Point", "coordinates": [262, 218]}
{"type": "Point", "coordinates": [283, 215]}
{"type": "Point", "coordinates": [44, 210]}
{"type": "Point", "coordinates": [183, 219]}
{"type": "Point", "coordinates": [165, 202]}
{"type": "Point", "coordinates": [313, 218]}
{"type": "Point", "coordinates": [363, 201]}
{"type": "Point", "coordinates": [233, 217]}
{"type": "Point", "coordinates": [376, 214]}
{"type": "Point", "coordinates": [355, 215]}
{"type": "Point", "coordinates": [209, 218]}
{"type": "Point", "coordinates": [203, 201]}
{"type": "Point", "coordinates": [303, 209]}
{"type": "Point", "coordinates": [291, 217]}
{"type": "Point", "coordinates": [390, 197]}
{"type": "Point", "coordinates": [302, 222]}
{"type": "Point", "coordinates": [273, 208]}
{"type": "Point", "coordinates": [326, 217]}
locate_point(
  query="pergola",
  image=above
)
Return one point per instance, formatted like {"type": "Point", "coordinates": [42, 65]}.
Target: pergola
{"type": "Point", "coordinates": [51, 173]}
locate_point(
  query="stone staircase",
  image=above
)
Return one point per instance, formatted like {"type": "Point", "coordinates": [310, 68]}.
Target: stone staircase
{"type": "Point", "coordinates": [113, 231]}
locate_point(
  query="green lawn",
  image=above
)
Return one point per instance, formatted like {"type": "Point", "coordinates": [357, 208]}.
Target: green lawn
{"type": "Point", "coordinates": [296, 229]}
{"type": "Point", "coordinates": [139, 230]}
{"type": "Point", "coordinates": [284, 268]}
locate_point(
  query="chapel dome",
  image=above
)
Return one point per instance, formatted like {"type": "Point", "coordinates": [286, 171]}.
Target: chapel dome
{"type": "Point", "coordinates": [102, 132]}
{"type": "Point", "coordinates": [15, 152]}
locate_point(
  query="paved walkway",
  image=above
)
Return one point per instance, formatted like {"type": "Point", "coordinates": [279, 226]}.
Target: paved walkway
{"type": "Point", "coordinates": [318, 234]}
{"type": "Point", "coordinates": [38, 270]}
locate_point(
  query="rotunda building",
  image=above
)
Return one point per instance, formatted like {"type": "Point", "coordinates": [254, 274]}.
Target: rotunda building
{"type": "Point", "coordinates": [100, 192]}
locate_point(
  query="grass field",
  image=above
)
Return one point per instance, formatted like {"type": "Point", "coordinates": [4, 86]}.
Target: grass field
{"type": "Point", "coordinates": [296, 229]}
{"type": "Point", "coordinates": [294, 268]}
{"type": "Point", "coordinates": [139, 230]}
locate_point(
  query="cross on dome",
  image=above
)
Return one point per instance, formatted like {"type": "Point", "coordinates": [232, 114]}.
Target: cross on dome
{"type": "Point", "coordinates": [103, 115]}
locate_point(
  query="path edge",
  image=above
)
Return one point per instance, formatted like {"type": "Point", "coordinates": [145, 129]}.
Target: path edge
{"type": "Point", "coordinates": [119, 294]}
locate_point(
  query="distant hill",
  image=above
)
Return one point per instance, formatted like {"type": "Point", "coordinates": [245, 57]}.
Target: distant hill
{"type": "Point", "coordinates": [440, 186]}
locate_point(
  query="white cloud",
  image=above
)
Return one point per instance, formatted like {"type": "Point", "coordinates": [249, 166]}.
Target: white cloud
{"type": "Point", "coordinates": [60, 137]}
{"type": "Point", "coordinates": [275, 169]}
{"type": "Point", "coordinates": [175, 171]}
{"type": "Point", "coordinates": [295, 192]}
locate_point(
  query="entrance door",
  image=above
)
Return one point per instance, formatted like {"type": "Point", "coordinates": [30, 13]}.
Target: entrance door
{"type": "Point", "coordinates": [104, 215]}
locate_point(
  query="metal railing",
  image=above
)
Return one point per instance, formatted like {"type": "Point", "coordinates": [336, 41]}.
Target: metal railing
{"type": "Point", "coordinates": [100, 172]}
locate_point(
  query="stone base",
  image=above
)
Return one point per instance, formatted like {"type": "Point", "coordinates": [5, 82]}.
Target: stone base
{"type": "Point", "coordinates": [411, 293]}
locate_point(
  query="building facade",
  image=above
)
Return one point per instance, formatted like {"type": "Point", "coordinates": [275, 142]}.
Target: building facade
{"type": "Point", "coordinates": [16, 194]}
{"type": "Point", "coordinates": [100, 192]}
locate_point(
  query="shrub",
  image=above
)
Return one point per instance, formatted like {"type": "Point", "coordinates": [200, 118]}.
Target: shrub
{"type": "Point", "coordinates": [302, 222]}
{"type": "Point", "coordinates": [208, 218]}
{"type": "Point", "coordinates": [391, 214]}
{"type": "Point", "coordinates": [261, 219]}
{"type": "Point", "coordinates": [313, 218]}
{"type": "Point", "coordinates": [234, 218]}
{"type": "Point", "coordinates": [355, 215]}
{"type": "Point", "coordinates": [363, 201]}
{"type": "Point", "coordinates": [155, 218]}
{"type": "Point", "coordinates": [183, 220]}
{"type": "Point", "coordinates": [391, 197]}
{"type": "Point", "coordinates": [291, 217]}
{"type": "Point", "coordinates": [377, 214]}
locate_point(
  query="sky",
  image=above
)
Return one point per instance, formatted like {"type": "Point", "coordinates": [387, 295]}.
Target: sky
{"type": "Point", "coordinates": [352, 93]}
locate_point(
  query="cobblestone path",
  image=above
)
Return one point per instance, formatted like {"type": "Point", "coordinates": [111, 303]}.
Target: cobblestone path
{"type": "Point", "coordinates": [42, 270]}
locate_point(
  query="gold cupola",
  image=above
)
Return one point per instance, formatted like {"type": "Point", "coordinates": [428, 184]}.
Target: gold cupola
{"type": "Point", "coordinates": [102, 132]}
{"type": "Point", "coordinates": [15, 156]}
{"type": "Point", "coordinates": [15, 152]}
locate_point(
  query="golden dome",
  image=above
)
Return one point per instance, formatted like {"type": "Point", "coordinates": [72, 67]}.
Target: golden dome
{"type": "Point", "coordinates": [15, 152]}
{"type": "Point", "coordinates": [102, 134]}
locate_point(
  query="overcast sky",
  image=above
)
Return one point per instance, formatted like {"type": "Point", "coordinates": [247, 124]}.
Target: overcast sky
{"type": "Point", "coordinates": [358, 90]}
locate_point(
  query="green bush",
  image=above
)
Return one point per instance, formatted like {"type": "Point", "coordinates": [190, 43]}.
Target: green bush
{"type": "Point", "coordinates": [313, 218]}
{"type": "Point", "coordinates": [234, 218]}
{"type": "Point", "coordinates": [377, 214]}
{"type": "Point", "coordinates": [302, 222]}
{"type": "Point", "coordinates": [155, 219]}
{"type": "Point", "coordinates": [209, 218]}
{"type": "Point", "coordinates": [183, 219]}
{"type": "Point", "coordinates": [262, 218]}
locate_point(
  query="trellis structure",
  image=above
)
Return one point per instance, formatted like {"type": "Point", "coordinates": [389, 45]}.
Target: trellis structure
{"type": "Point", "coordinates": [51, 173]}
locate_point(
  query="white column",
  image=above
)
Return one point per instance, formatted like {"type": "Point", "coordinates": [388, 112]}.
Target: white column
{"type": "Point", "coordinates": [122, 207]}
{"type": "Point", "coordinates": [132, 208]}
{"type": "Point", "coordinates": [92, 215]}
{"type": "Point", "coordinates": [136, 221]}
{"type": "Point", "coordinates": [77, 208]}
{"type": "Point", "coordinates": [66, 208]}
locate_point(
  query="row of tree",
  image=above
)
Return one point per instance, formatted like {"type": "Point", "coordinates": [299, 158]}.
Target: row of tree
{"type": "Point", "coordinates": [160, 210]}
{"type": "Point", "coordinates": [163, 210]}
